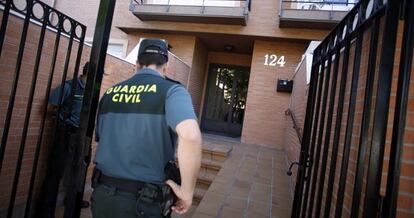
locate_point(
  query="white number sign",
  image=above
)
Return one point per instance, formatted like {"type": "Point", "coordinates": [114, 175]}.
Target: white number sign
{"type": "Point", "coordinates": [273, 60]}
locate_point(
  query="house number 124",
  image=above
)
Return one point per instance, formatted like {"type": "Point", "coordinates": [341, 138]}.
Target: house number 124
{"type": "Point", "coordinates": [273, 60]}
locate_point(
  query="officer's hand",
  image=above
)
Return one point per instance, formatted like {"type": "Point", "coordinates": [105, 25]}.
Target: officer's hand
{"type": "Point", "coordinates": [185, 199]}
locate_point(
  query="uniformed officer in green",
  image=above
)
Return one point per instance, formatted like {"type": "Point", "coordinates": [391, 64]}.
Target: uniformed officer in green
{"type": "Point", "coordinates": [138, 123]}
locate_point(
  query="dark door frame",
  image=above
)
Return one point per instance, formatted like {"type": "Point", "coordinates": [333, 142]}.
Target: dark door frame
{"type": "Point", "coordinates": [210, 67]}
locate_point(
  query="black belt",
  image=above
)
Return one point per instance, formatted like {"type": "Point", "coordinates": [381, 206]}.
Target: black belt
{"type": "Point", "coordinates": [122, 184]}
{"type": "Point", "coordinates": [131, 186]}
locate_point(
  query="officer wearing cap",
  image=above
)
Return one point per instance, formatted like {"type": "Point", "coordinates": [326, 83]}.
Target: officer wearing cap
{"type": "Point", "coordinates": [137, 124]}
{"type": "Point", "coordinates": [65, 138]}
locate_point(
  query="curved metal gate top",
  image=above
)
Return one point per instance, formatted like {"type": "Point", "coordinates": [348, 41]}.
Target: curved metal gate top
{"type": "Point", "coordinates": [34, 14]}
{"type": "Point", "coordinates": [62, 59]}
{"type": "Point", "coordinates": [344, 141]}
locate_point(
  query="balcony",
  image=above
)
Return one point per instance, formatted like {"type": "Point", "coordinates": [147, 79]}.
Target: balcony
{"type": "Point", "coordinates": [317, 14]}
{"type": "Point", "coordinates": [194, 11]}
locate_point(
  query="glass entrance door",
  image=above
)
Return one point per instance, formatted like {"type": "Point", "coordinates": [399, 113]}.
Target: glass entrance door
{"type": "Point", "coordinates": [225, 100]}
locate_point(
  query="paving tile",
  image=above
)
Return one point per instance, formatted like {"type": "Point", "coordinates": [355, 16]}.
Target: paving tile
{"type": "Point", "coordinates": [260, 193]}
{"type": "Point", "coordinates": [265, 173]}
{"type": "Point", "coordinates": [245, 174]}
{"type": "Point", "coordinates": [222, 188]}
{"type": "Point", "coordinates": [261, 188]}
{"type": "Point", "coordinates": [240, 192]}
{"type": "Point", "coordinates": [228, 212]}
{"type": "Point", "coordinates": [241, 183]}
{"type": "Point", "coordinates": [198, 214]}
{"type": "Point", "coordinates": [282, 202]}
{"type": "Point", "coordinates": [281, 212]}
{"type": "Point", "coordinates": [257, 209]}
{"type": "Point", "coordinates": [222, 179]}
{"type": "Point", "coordinates": [228, 173]}
{"type": "Point", "coordinates": [209, 207]}
{"type": "Point", "coordinates": [236, 203]}
{"type": "Point", "coordinates": [247, 167]}
{"type": "Point", "coordinates": [282, 192]}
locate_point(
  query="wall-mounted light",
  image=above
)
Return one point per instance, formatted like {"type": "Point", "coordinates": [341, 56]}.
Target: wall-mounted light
{"type": "Point", "coordinates": [228, 48]}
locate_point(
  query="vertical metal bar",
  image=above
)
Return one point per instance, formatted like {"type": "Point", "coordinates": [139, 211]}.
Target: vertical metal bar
{"type": "Point", "coordinates": [305, 143]}
{"type": "Point", "coordinates": [76, 71]}
{"type": "Point", "coordinates": [28, 113]}
{"type": "Point", "coordinates": [12, 97]}
{"type": "Point", "coordinates": [320, 134]}
{"type": "Point", "coordinates": [4, 22]}
{"type": "Point", "coordinates": [379, 130]}
{"type": "Point", "coordinates": [391, 197]}
{"type": "Point", "coordinates": [90, 103]}
{"type": "Point", "coordinates": [305, 140]}
{"type": "Point", "coordinates": [327, 133]}
{"type": "Point", "coordinates": [363, 137]}
{"type": "Point", "coordinates": [42, 125]}
{"type": "Point", "coordinates": [338, 124]}
{"type": "Point", "coordinates": [313, 138]}
{"type": "Point", "coordinates": [349, 125]}
{"type": "Point", "coordinates": [65, 72]}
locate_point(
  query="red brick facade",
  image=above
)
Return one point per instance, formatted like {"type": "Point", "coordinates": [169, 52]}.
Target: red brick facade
{"type": "Point", "coordinates": [264, 121]}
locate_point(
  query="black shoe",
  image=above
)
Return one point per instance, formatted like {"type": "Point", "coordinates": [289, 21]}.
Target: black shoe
{"type": "Point", "coordinates": [84, 204]}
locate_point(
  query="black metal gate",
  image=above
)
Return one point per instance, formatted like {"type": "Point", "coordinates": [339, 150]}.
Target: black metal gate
{"type": "Point", "coordinates": [64, 63]}
{"type": "Point", "coordinates": [344, 137]}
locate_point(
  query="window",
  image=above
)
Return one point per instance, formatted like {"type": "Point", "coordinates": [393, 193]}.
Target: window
{"type": "Point", "coordinates": [116, 47]}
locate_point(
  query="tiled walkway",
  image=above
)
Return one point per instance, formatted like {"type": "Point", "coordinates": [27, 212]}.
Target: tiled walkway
{"type": "Point", "coordinates": [252, 183]}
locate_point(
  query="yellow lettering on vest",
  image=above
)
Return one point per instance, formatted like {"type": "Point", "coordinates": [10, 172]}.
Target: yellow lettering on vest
{"type": "Point", "coordinates": [138, 99]}
{"type": "Point", "coordinates": [153, 88]}
{"type": "Point", "coordinates": [116, 89]}
{"type": "Point", "coordinates": [132, 89]}
{"type": "Point", "coordinates": [125, 89]}
{"type": "Point", "coordinates": [140, 88]}
{"type": "Point", "coordinates": [128, 98]}
{"type": "Point", "coordinates": [115, 98]}
{"type": "Point", "coordinates": [121, 98]}
{"type": "Point", "coordinates": [146, 88]}
{"type": "Point", "coordinates": [109, 90]}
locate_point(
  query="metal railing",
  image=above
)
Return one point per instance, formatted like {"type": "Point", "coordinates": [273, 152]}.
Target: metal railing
{"type": "Point", "coordinates": [201, 3]}
{"type": "Point", "coordinates": [298, 130]}
{"type": "Point", "coordinates": [317, 5]}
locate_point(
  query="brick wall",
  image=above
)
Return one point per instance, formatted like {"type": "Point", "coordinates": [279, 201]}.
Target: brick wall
{"type": "Point", "coordinates": [116, 70]}
{"type": "Point", "coordinates": [197, 75]}
{"type": "Point", "coordinates": [182, 45]}
{"type": "Point", "coordinates": [264, 121]}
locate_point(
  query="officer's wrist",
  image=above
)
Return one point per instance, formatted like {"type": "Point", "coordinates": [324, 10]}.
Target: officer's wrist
{"type": "Point", "coordinates": [187, 191]}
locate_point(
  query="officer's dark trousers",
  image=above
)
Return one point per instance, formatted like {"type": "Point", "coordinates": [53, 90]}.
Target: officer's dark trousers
{"type": "Point", "coordinates": [108, 202]}
{"type": "Point", "coordinates": [58, 160]}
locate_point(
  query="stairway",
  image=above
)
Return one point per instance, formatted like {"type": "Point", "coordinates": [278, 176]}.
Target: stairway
{"type": "Point", "coordinates": [214, 156]}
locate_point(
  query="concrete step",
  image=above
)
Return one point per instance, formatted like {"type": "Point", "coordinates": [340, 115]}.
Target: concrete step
{"type": "Point", "coordinates": [205, 179]}
{"type": "Point", "coordinates": [198, 195]}
{"type": "Point", "coordinates": [211, 166]}
{"type": "Point", "coordinates": [218, 152]}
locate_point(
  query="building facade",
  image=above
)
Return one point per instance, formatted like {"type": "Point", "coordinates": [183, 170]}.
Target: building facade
{"type": "Point", "coordinates": [237, 51]}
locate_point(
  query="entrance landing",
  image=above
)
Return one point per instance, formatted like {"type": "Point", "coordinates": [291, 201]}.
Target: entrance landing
{"type": "Point", "coordinates": [251, 183]}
